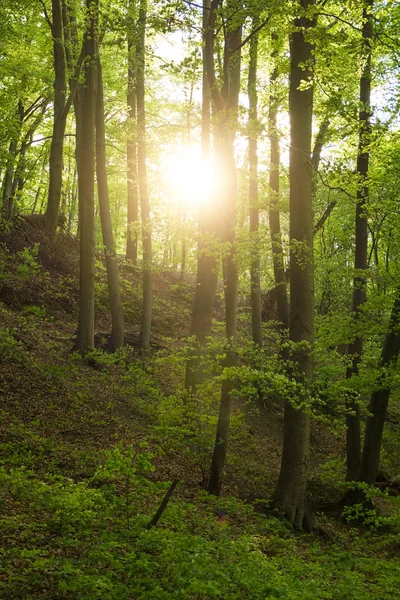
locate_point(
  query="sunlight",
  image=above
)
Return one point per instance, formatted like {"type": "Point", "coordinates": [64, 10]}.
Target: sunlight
{"type": "Point", "coordinates": [189, 178]}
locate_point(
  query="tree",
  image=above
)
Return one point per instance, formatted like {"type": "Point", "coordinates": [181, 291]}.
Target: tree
{"type": "Point", "coordinates": [145, 325]}
{"type": "Point", "coordinates": [86, 160]}
{"type": "Point", "coordinates": [255, 287]}
{"type": "Point", "coordinates": [273, 209]}
{"type": "Point", "coordinates": [225, 107]}
{"type": "Point", "coordinates": [131, 149]}
{"type": "Point", "coordinates": [117, 317]}
{"type": "Point", "coordinates": [361, 245]}
{"type": "Point", "coordinates": [291, 489]}
{"type": "Point", "coordinates": [207, 264]}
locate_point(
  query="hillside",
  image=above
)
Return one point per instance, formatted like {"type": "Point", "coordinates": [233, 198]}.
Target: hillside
{"type": "Point", "coordinates": [89, 447]}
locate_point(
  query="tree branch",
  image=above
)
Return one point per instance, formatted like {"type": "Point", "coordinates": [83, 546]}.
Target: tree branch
{"type": "Point", "coordinates": [251, 34]}
{"type": "Point", "coordinates": [46, 15]}
{"type": "Point", "coordinates": [163, 504]}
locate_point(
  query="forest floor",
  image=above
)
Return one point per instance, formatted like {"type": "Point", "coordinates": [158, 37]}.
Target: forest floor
{"type": "Point", "coordinates": [89, 446]}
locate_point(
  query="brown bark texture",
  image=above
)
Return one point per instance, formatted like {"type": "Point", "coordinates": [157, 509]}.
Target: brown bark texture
{"type": "Point", "coordinates": [85, 340]}
{"type": "Point", "coordinates": [117, 317]}
{"type": "Point", "coordinates": [355, 349]}
{"type": "Point", "coordinates": [131, 148]}
{"type": "Point", "coordinates": [292, 483]}
{"type": "Point", "coordinates": [145, 325]}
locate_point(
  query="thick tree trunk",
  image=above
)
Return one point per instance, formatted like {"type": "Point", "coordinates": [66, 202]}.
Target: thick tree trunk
{"type": "Point", "coordinates": [207, 264]}
{"type": "Point", "coordinates": [379, 401]}
{"type": "Point", "coordinates": [85, 340]}
{"type": "Point", "coordinates": [117, 317]}
{"type": "Point", "coordinates": [273, 209]}
{"type": "Point", "coordinates": [131, 149]}
{"type": "Point", "coordinates": [59, 119]}
{"type": "Point", "coordinates": [355, 349]}
{"type": "Point", "coordinates": [226, 125]}
{"type": "Point", "coordinates": [145, 325]}
{"type": "Point", "coordinates": [255, 267]}
{"type": "Point", "coordinates": [291, 489]}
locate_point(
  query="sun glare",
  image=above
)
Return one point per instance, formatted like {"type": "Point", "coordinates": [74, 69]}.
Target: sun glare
{"type": "Point", "coordinates": [190, 179]}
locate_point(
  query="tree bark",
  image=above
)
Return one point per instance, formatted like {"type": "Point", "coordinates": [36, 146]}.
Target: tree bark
{"type": "Point", "coordinates": [207, 264]}
{"type": "Point", "coordinates": [255, 267]}
{"type": "Point", "coordinates": [355, 349]}
{"type": "Point", "coordinates": [145, 325]}
{"type": "Point", "coordinates": [273, 209]}
{"type": "Point", "coordinates": [379, 400]}
{"type": "Point", "coordinates": [291, 489]}
{"type": "Point", "coordinates": [59, 119]}
{"type": "Point", "coordinates": [225, 105]}
{"type": "Point", "coordinates": [117, 317]}
{"type": "Point", "coordinates": [85, 340]}
{"type": "Point", "coordinates": [7, 204]}
{"type": "Point", "coordinates": [131, 149]}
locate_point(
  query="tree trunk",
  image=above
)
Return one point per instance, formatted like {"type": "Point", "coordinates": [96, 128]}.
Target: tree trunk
{"type": "Point", "coordinates": [59, 119]}
{"type": "Point", "coordinates": [7, 205]}
{"type": "Point", "coordinates": [291, 489]}
{"type": "Point", "coordinates": [379, 401]}
{"type": "Point", "coordinates": [145, 325]}
{"type": "Point", "coordinates": [207, 265]}
{"type": "Point", "coordinates": [85, 340]}
{"type": "Point", "coordinates": [255, 267]}
{"type": "Point", "coordinates": [273, 210]}
{"type": "Point", "coordinates": [117, 317]}
{"type": "Point", "coordinates": [355, 349]}
{"type": "Point", "coordinates": [226, 116]}
{"type": "Point", "coordinates": [131, 150]}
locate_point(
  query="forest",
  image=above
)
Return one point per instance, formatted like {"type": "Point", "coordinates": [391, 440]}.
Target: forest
{"type": "Point", "coordinates": [199, 299]}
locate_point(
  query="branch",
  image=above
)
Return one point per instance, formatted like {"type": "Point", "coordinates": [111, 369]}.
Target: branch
{"type": "Point", "coordinates": [325, 216]}
{"type": "Point", "coordinates": [75, 81]}
{"type": "Point", "coordinates": [251, 34]}
{"type": "Point", "coordinates": [163, 504]}
{"type": "Point", "coordinates": [46, 15]}
{"type": "Point", "coordinates": [322, 14]}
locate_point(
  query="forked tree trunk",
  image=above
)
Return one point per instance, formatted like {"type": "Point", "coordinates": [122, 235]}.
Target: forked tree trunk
{"type": "Point", "coordinates": [117, 317]}
{"type": "Point", "coordinates": [145, 325]}
{"type": "Point", "coordinates": [207, 264]}
{"type": "Point", "coordinates": [225, 104]}
{"type": "Point", "coordinates": [131, 149]}
{"type": "Point", "coordinates": [355, 349]}
{"type": "Point", "coordinates": [291, 489]}
{"type": "Point", "coordinates": [85, 340]}
{"type": "Point", "coordinates": [255, 268]}
{"type": "Point", "coordinates": [273, 209]}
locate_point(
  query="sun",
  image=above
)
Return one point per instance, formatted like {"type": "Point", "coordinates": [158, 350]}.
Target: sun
{"type": "Point", "coordinates": [190, 179]}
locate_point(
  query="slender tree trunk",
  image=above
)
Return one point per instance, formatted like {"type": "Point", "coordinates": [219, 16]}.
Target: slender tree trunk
{"type": "Point", "coordinates": [59, 119]}
{"type": "Point", "coordinates": [117, 317]}
{"type": "Point", "coordinates": [85, 340]}
{"type": "Point", "coordinates": [7, 204]}
{"type": "Point", "coordinates": [255, 268]}
{"type": "Point", "coordinates": [226, 123]}
{"type": "Point", "coordinates": [72, 50]}
{"type": "Point", "coordinates": [145, 326]}
{"type": "Point", "coordinates": [273, 210]}
{"type": "Point", "coordinates": [379, 400]}
{"type": "Point", "coordinates": [131, 150]}
{"type": "Point", "coordinates": [291, 489]}
{"type": "Point", "coordinates": [355, 349]}
{"type": "Point", "coordinates": [207, 264]}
